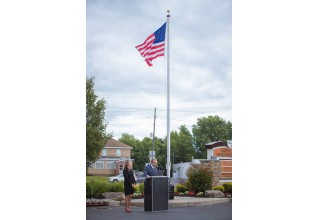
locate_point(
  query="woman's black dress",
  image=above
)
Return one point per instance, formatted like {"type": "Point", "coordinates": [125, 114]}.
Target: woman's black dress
{"type": "Point", "coordinates": [128, 181]}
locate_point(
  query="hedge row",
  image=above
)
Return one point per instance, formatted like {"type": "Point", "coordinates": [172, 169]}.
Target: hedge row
{"type": "Point", "coordinates": [96, 188]}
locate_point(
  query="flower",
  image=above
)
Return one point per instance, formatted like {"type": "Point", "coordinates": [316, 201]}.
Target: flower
{"type": "Point", "coordinates": [199, 194]}
{"type": "Point", "coordinates": [137, 194]}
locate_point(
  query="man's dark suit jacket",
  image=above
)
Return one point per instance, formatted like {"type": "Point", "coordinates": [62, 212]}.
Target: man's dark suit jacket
{"type": "Point", "coordinates": [149, 170]}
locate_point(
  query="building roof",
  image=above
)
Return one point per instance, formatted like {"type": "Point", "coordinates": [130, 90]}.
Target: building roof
{"type": "Point", "coordinates": [112, 143]}
{"type": "Point", "coordinates": [216, 144]}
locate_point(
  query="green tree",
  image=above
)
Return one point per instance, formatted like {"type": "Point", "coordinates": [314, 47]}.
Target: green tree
{"type": "Point", "coordinates": [161, 151]}
{"type": "Point", "coordinates": [209, 129]}
{"type": "Point", "coordinates": [140, 151]}
{"type": "Point", "coordinates": [137, 151]}
{"type": "Point", "coordinates": [146, 146]}
{"type": "Point", "coordinates": [96, 136]}
{"type": "Point", "coordinates": [181, 145]}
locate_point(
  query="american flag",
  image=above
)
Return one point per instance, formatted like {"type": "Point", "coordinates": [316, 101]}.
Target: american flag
{"type": "Point", "coordinates": [153, 46]}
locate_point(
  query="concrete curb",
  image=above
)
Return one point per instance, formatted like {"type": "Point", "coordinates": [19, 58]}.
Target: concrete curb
{"type": "Point", "coordinates": [211, 202]}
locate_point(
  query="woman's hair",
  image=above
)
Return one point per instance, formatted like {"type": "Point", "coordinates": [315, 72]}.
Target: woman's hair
{"type": "Point", "coordinates": [126, 163]}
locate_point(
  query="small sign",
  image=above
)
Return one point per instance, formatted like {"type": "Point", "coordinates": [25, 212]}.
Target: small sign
{"type": "Point", "coordinates": [152, 153]}
{"type": "Point", "coordinates": [229, 143]}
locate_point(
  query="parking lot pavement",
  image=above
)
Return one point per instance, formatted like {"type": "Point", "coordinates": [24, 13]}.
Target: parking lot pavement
{"type": "Point", "coordinates": [210, 212]}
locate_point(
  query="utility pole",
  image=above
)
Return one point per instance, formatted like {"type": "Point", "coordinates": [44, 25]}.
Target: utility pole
{"type": "Point", "coordinates": [154, 125]}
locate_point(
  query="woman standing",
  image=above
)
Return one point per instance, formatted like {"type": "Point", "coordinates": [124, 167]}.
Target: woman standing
{"type": "Point", "coordinates": [129, 182]}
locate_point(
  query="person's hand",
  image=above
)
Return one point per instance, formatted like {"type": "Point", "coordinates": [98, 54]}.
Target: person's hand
{"type": "Point", "coordinates": [148, 176]}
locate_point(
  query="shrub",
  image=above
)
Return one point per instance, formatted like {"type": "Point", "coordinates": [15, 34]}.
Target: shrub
{"type": "Point", "coordinates": [137, 188]}
{"type": "Point", "coordinates": [220, 188]}
{"type": "Point", "coordinates": [141, 187]}
{"type": "Point", "coordinates": [116, 187]}
{"type": "Point", "coordinates": [181, 188]}
{"type": "Point", "coordinates": [187, 184]}
{"type": "Point", "coordinates": [89, 188]}
{"type": "Point", "coordinates": [228, 187]}
{"type": "Point", "coordinates": [200, 178]}
{"type": "Point", "coordinates": [96, 188]}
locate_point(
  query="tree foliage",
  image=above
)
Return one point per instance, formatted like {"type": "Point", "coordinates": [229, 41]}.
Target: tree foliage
{"type": "Point", "coordinates": [181, 145]}
{"type": "Point", "coordinates": [140, 151]}
{"type": "Point", "coordinates": [209, 129]}
{"type": "Point", "coordinates": [96, 136]}
{"type": "Point", "coordinates": [137, 152]}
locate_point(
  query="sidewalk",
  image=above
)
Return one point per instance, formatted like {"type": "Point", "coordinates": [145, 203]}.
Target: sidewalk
{"type": "Point", "coordinates": [178, 201]}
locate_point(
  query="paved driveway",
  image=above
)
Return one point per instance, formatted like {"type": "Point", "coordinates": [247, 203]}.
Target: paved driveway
{"type": "Point", "coordinates": [211, 212]}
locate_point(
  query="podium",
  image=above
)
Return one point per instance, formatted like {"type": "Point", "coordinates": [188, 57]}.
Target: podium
{"type": "Point", "coordinates": [156, 194]}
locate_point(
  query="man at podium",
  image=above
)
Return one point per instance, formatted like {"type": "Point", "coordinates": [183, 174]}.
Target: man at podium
{"type": "Point", "coordinates": [151, 169]}
{"type": "Point", "coordinates": [156, 194]}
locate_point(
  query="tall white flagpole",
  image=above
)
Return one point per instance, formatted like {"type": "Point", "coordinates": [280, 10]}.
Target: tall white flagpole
{"type": "Point", "coordinates": [168, 101]}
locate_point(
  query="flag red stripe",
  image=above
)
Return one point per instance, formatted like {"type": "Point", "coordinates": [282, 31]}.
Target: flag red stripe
{"type": "Point", "coordinates": [152, 35]}
{"type": "Point", "coordinates": [152, 48]}
{"type": "Point", "coordinates": [149, 60]}
{"type": "Point", "coordinates": [145, 49]}
{"type": "Point", "coordinates": [155, 51]}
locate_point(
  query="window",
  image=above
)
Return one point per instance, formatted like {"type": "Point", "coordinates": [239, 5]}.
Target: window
{"type": "Point", "coordinates": [118, 152]}
{"type": "Point", "coordinates": [99, 165]}
{"type": "Point", "coordinates": [104, 152]}
{"type": "Point", "coordinates": [110, 165]}
{"type": "Point", "coordinates": [91, 166]}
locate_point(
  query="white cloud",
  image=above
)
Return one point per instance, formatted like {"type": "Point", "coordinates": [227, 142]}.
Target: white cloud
{"type": "Point", "coordinates": [200, 61]}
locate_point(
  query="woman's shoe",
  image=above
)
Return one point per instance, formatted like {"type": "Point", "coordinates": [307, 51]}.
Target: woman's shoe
{"type": "Point", "coordinates": [126, 210]}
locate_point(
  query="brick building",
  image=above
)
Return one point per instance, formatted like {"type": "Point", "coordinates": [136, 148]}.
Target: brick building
{"type": "Point", "coordinates": [112, 158]}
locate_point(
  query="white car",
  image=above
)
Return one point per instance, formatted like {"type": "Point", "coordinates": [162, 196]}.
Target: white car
{"type": "Point", "coordinates": [119, 177]}
{"type": "Point", "coordinates": [116, 178]}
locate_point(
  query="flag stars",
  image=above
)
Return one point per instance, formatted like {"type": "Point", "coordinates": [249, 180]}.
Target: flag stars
{"type": "Point", "coordinates": [153, 46]}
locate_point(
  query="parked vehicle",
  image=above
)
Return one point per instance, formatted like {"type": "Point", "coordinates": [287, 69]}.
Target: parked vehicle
{"type": "Point", "coordinates": [119, 177]}
{"type": "Point", "coordinates": [116, 178]}
{"type": "Point", "coordinates": [140, 178]}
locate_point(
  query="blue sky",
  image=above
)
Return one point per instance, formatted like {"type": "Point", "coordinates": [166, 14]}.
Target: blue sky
{"type": "Point", "coordinates": [200, 62]}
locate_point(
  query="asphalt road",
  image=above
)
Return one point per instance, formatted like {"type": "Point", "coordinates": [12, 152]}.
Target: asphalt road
{"type": "Point", "coordinates": [213, 212]}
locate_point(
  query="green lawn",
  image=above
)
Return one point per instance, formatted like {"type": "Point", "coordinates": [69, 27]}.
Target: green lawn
{"type": "Point", "coordinates": [98, 178]}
